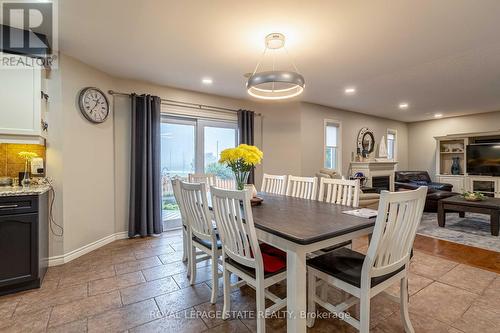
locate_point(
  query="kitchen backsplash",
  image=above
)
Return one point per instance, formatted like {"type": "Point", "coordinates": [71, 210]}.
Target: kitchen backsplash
{"type": "Point", "coordinates": [10, 162]}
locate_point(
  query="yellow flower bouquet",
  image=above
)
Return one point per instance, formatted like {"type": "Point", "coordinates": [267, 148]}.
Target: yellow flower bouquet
{"type": "Point", "coordinates": [241, 160]}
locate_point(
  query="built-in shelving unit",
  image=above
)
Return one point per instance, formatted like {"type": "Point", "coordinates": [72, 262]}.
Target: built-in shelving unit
{"type": "Point", "coordinates": [454, 146]}
{"type": "Point", "coordinates": [450, 149]}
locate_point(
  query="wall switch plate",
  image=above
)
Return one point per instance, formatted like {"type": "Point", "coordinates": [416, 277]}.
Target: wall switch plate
{"type": "Point", "coordinates": [37, 168]}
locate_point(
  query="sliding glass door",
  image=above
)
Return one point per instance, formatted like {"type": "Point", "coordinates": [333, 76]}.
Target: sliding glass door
{"type": "Point", "coordinates": [178, 151]}
{"type": "Point", "coordinates": [192, 146]}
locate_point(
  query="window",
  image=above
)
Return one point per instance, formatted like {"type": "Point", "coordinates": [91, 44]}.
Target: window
{"type": "Point", "coordinates": [191, 145]}
{"type": "Point", "coordinates": [332, 145]}
{"type": "Point", "coordinates": [391, 144]}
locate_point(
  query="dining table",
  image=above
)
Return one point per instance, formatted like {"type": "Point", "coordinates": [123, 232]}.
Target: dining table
{"type": "Point", "coordinates": [300, 227]}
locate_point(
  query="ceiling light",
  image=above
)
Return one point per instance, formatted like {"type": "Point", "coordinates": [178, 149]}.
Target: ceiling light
{"type": "Point", "coordinates": [350, 91]}
{"type": "Point", "coordinates": [403, 106]}
{"type": "Point", "coordinates": [438, 115]}
{"type": "Point", "coordinates": [207, 80]}
{"type": "Point", "coordinates": [275, 84]}
{"type": "Point", "coordinates": [275, 41]}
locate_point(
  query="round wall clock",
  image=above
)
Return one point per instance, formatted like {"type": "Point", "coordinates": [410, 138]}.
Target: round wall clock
{"type": "Point", "coordinates": [93, 105]}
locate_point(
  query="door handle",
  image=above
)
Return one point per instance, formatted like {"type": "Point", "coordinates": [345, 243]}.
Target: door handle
{"type": "Point", "coordinates": [8, 206]}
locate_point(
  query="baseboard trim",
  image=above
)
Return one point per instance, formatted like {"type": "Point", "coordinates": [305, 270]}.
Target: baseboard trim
{"type": "Point", "coordinates": [65, 258]}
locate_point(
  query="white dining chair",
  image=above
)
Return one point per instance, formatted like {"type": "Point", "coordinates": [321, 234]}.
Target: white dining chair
{"type": "Point", "coordinates": [339, 191]}
{"type": "Point", "coordinates": [259, 265]}
{"type": "Point", "coordinates": [273, 184]}
{"type": "Point", "coordinates": [386, 262]}
{"type": "Point", "coordinates": [206, 178]}
{"type": "Point", "coordinates": [186, 240]}
{"type": "Point", "coordinates": [201, 232]}
{"type": "Point", "coordinates": [302, 187]}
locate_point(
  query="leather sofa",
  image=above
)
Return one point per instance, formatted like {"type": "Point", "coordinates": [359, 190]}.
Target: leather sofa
{"type": "Point", "coordinates": [411, 180]}
{"type": "Point", "coordinates": [414, 179]}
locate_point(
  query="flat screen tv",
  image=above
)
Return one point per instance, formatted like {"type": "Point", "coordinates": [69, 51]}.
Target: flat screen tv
{"type": "Point", "coordinates": [483, 159]}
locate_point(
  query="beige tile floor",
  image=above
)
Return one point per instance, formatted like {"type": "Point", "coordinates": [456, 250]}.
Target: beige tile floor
{"type": "Point", "coordinates": [140, 285]}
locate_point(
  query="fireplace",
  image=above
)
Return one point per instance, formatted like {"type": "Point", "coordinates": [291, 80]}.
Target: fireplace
{"type": "Point", "coordinates": [381, 183]}
{"type": "Point", "coordinates": [379, 175]}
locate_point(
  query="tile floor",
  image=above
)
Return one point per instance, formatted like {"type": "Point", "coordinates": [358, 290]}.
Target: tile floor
{"type": "Point", "coordinates": [140, 285]}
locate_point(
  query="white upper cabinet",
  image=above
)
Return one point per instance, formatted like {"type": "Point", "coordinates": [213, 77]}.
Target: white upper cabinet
{"type": "Point", "coordinates": [21, 102]}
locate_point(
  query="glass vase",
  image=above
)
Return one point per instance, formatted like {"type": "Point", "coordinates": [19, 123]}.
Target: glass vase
{"type": "Point", "coordinates": [241, 178]}
{"type": "Point", "coordinates": [26, 181]}
{"type": "Point", "coordinates": [455, 166]}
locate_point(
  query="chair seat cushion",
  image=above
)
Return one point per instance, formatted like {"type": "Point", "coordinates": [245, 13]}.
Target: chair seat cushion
{"type": "Point", "coordinates": [345, 264]}
{"type": "Point", "coordinates": [207, 243]}
{"type": "Point", "coordinates": [274, 261]}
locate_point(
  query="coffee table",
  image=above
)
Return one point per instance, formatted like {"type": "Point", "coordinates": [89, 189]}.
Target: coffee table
{"type": "Point", "coordinates": [489, 206]}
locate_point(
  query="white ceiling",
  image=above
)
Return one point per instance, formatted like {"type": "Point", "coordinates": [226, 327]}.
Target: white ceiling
{"type": "Point", "coordinates": [437, 55]}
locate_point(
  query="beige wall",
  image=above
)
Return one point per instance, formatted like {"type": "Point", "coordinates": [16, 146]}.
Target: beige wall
{"type": "Point", "coordinates": [312, 135]}
{"type": "Point", "coordinates": [421, 142]}
{"type": "Point", "coordinates": [80, 158]}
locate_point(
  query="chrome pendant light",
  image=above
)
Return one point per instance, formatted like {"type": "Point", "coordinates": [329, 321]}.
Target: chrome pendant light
{"type": "Point", "coordinates": [275, 84]}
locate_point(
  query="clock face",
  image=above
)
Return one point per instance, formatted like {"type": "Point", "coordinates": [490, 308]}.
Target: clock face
{"type": "Point", "coordinates": [94, 105]}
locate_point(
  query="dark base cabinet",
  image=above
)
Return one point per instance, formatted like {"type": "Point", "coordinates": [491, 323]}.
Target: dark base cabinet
{"type": "Point", "coordinates": [23, 242]}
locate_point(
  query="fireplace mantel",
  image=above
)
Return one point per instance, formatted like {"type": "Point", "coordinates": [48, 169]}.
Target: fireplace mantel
{"type": "Point", "coordinates": [375, 169]}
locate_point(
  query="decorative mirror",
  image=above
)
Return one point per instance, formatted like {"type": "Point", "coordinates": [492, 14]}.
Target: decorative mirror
{"type": "Point", "coordinates": [366, 142]}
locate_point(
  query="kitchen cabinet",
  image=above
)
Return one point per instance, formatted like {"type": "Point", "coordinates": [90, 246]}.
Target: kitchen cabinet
{"type": "Point", "coordinates": [21, 103]}
{"type": "Point", "coordinates": [23, 242]}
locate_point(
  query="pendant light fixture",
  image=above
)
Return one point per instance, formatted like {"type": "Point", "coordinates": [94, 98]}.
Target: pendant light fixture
{"type": "Point", "coordinates": [275, 84]}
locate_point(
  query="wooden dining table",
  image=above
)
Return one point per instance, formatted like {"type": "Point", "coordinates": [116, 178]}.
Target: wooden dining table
{"type": "Point", "coordinates": [298, 227]}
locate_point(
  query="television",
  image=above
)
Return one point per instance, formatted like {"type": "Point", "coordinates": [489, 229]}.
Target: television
{"type": "Point", "coordinates": [483, 159]}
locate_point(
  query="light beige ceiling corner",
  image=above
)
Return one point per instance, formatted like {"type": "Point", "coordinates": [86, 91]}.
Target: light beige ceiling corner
{"type": "Point", "coordinates": [441, 56]}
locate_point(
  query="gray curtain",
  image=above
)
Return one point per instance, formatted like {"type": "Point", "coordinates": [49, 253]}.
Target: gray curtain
{"type": "Point", "coordinates": [246, 120]}
{"type": "Point", "coordinates": [145, 192]}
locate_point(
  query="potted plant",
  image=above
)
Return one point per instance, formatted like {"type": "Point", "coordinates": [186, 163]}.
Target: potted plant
{"type": "Point", "coordinates": [241, 160]}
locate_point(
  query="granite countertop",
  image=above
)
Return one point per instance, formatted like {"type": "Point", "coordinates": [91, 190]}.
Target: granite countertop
{"type": "Point", "coordinates": [10, 191]}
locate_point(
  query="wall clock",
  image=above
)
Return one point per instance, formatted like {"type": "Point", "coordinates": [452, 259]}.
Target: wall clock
{"type": "Point", "coordinates": [93, 105]}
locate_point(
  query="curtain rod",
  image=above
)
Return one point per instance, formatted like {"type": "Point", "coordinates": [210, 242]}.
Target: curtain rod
{"type": "Point", "coordinates": [183, 104]}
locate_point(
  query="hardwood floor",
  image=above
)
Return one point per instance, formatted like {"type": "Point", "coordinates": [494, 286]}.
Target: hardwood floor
{"type": "Point", "coordinates": [140, 285]}
{"type": "Point", "coordinates": [472, 256]}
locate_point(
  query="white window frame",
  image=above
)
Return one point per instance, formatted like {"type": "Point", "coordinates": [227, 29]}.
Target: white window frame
{"type": "Point", "coordinates": [338, 124]}
{"type": "Point", "coordinates": [199, 131]}
{"type": "Point", "coordinates": [200, 138]}
{"type": "Point", "coordinates": [395, 133]}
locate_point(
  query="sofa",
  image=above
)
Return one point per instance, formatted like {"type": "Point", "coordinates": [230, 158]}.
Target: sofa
{"type": "Point", "coordinates": [411, 180]}
{"type": "Point", "coordinates": [414, 179]}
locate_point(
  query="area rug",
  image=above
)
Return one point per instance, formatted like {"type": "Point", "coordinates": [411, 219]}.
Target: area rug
{"type": "Point", "coordinates": [473, 230]}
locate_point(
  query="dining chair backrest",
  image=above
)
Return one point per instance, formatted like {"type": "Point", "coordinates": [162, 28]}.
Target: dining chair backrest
{"type": "Point", "coordinates": [399, 215]}
{"type": "Point", "coordinates": [194, 199]}
{"type": "Point", "coordinates": [273, 184]}
{"type": "Point", "coordinates": [339, 191]}
{"type": "Point", "coordinates": [176, 186]}
{"type": "Point", "coordinates": [302, 187]}
{"type": "Point", "coordinates": [207, 178]}
{"type": "Point", "coordinates": [234, 220]}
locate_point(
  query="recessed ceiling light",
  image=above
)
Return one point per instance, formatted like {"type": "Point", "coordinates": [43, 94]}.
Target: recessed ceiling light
{"type": "Point", "coordinates": [438, 115]}
{"type": "Point", "coordinates": [207, 80]}
{"type": "Point", "coordinates": [350, 91]}
{"type": "Point", "coordinates": [403, 105]}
